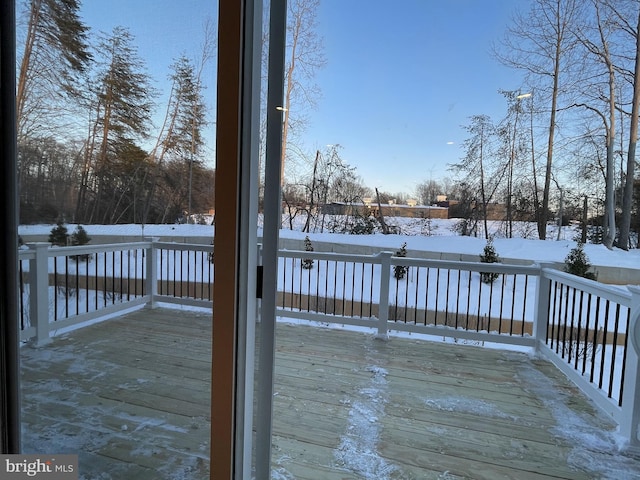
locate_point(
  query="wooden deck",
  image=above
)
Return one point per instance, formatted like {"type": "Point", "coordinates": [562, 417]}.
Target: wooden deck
{"type": "Point", "coordinates": [131, 395]}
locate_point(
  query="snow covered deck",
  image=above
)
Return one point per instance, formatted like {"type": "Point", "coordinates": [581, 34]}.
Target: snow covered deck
{"type": "Point", "coordinates": [132, 393]}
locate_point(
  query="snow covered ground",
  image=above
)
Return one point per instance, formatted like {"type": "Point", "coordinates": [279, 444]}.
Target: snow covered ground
{"type": "Point", "coordinates": [440, 236]}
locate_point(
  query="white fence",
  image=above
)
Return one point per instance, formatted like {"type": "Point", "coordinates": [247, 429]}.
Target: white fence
{"type": "Point", "coordinates": [582, 326]}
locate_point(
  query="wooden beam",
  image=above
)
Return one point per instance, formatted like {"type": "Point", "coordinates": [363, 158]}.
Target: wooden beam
{"type": "Point", "coordinates": [226, 238]}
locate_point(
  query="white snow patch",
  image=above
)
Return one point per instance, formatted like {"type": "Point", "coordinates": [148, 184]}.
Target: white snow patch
{"type": "Point", "coordinates": [594, 449]}
{"type": "Point", "coordinates": [467, 405]}
{"type": "Point", "coordinates": [281, 473]}
{"type": "Point", "coordinates": [357, 451]}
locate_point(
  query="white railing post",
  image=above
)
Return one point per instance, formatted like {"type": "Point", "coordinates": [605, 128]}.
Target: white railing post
{"type": "Point", "coordinates": [39, 293]}
{"type": "Point", "coordinates": [151, 279]}
{"type": "Point", "coordinates": [541, 313]}
{"type": "Point", "coordinates": [383, 301]}
{"type": "Point", "coordinates": [630, 419]}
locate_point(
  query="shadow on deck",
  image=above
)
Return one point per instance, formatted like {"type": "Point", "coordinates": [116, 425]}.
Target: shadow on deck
{"type": "Point", "coordinates": [131, 395]}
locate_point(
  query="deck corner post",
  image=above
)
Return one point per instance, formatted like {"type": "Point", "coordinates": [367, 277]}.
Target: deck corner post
{"type": "Point", "coordinates": [152, 273]}
{"type": "Point", "coordinates": [383, 301]}
{"type": "Point", "coordinates": [630, 418]}
{"type": "Point", "coordinates": [541, 313]}
{"type": "Point", "coordinates": [39, 293]}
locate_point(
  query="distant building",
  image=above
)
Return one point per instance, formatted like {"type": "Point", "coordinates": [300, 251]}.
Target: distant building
{"type": "Point", "coordinates": [388, 210]}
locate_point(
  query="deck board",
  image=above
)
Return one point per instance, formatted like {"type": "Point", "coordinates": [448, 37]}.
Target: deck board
{"type": "Point", "coordinates": [132, 395]}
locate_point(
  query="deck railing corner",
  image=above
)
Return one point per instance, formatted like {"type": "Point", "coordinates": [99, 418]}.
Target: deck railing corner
{"type": "Point", "coordinates": [39, 293]}
{"type": "Point", "coordinates": [151, 279]}
{"type": "Point", "coordinates": [630, 417]}
{"type": "Point", "coordinates": [383, 307]}
{"type": "Point", "coordinates": [541, 306]}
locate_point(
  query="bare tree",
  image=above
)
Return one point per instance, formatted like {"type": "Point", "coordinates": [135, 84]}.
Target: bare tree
{"type": "Point", "coordinates": [305, 55]}
{"type": "Point", "coordinates": [622, 19]}
{"type": "Point", "coordinates": [541, 44]}
{"type": "Point", "coordinates": [601, 50]}
{"type": "Point", "coordinates": [428, 191]}
{"type": "Point", "coordinates": [475, 165]}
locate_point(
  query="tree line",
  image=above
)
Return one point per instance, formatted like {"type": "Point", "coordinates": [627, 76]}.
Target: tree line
{"type": "Point", "coordinates": [88, 151]}
{"type": "Point", "coordinates": [571, 130]}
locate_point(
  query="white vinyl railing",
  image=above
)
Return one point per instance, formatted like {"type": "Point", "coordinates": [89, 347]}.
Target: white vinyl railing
{"type": "Point", "coordinates": [581, 326]}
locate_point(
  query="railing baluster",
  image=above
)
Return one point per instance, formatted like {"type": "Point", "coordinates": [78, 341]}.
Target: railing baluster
{"type": "Point", "coordinates": [604, 341]}
{"type": "Point", "coordinates": [293, 274]}
{"type": "Point", "coordinates": [121, 276]}
{"type": "Point", "coordinates": [335, 286]}
{"type": "Point", "coordinates": [559, 318]}
{"type": "Point", "coordinates": [466, 326]}
{"type": "Point", "coordinates": [446, 305]}
{"type": "Point", "coordinates": [594, 347]}
{"type": "Point", "coordinates": [502, 299]}
{"type": "Point", "coordinates": [341, 266]}
{"type": "Point", "coordinates": [371, 292]}
{"type": "Point", "coordinates": [457, 298]}
{"type": "Point", "coordinates": [435, 318]}
{"type": "Point", "coordinates": [66, 286]}
{"type": "Point", "coordinates": [395, 303]}
{"type": "Point", "coordinates": [96, 274]}
{"type": "Point", "coordinates": [479, 304]}
{"type": "Point", "coordinates": [524, 303]}
{"type": "Point", "coordinates": [326, 286]}
{"type": "Point", "coordinates": [415, 310]}
{"type": "Point", "coordinates": [406, 295]}
{"type": "Point", "coordinates": [513, 303]}
{"type": "Point", "coordinates": [188, 279]}
{"type": "Point", "coordinates": [614, 344]}
{"type": "Point", "coordinates": [586, 335]}
{"type": "Point", "coordinates": [86, 284]}
{"type": "Point", "coordinates": [353, 286]}
{"type": "Point", "coordinates": [78, 286]}
{"type": "Point", "coordinates": [161, 290]}
{"type": "Point", "coordinates": [300, 287]}
{"type": "Point", "coordinates": [21, 285]}
{"type": "Point", "coordinates": [361, 291]}
{"type": "Point", "coordinates": [579, 332]}
{"type": "Point", "coordinates": [490, 304]}
{"type": "Point", "coordinates": [565, 321]}
{"type": "Point", "coordinates": [55, 288]}
{"type": "Point", "coordinates": [113, 283]}
{"type": "Point", "coordinates": [571, 326]}
{"type": "Point", "coordinates": [317, 302]}
{"type": "Point", "coordinates": [426, 295]}
{"type": "Point", "coordinates": [624, 356]}
{"type": "Point", "coordinates": [104, 276]}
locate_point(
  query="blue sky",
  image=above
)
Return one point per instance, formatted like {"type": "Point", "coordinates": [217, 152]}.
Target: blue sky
{"type": "Point", "coordinates": [400, 82]}
{"type": "Point", "coordinates": [401, 77]}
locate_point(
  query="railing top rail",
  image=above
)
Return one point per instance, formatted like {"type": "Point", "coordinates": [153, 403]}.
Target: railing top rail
{"type": "Point", "coordinates": [340, 257]}
{"type": "Point", "coordinates": [613, 293]}
{"type": "Point", "coordinates": [416, 262]}
{"type": "Point", "coordinates": [55, 251]}
{"type": "Point", "coordinates": [183, 246]}
{"type": "Point", "coordinates": [467, 266]}
{"type": "Point", "coordinates": [24, 254]}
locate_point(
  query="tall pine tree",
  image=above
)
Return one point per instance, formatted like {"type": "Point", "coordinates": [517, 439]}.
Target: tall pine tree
{"type": "Point", "coordinates": [121, 117]}
{"type": "Point", "coordinates": [54, 54]}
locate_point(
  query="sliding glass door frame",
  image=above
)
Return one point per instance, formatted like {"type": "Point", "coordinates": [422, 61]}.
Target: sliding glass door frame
{"type": "Point", "coordinates": [9, 330]}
